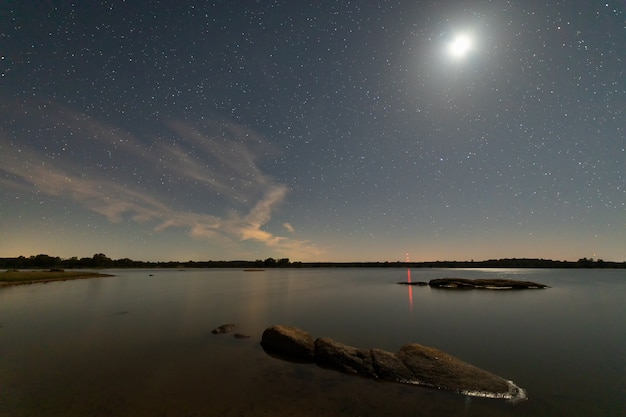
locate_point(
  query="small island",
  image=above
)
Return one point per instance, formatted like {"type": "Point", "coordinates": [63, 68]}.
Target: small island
{"type": "Point", "coordinates": [16, 277]}
{"type": "Point", "coordinates": [481, 283]}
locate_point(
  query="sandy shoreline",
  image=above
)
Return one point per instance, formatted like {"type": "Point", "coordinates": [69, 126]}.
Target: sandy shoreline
{"type": "Point", "coordinates": [53, 279]}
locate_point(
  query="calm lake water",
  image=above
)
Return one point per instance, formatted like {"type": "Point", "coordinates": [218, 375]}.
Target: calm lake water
{"type": "Point", "coordinates": [140, 343]}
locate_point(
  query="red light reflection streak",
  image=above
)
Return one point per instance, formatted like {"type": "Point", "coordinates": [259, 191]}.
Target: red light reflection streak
{"type": "Point", "coordinates": [408, 278]}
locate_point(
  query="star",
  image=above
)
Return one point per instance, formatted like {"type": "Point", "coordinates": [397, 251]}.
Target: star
{"type": "Point", "coordinates": [315, 131]}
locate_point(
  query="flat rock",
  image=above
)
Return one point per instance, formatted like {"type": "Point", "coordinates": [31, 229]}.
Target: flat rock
{"type": "Point", "coordinates": [289, 343]}
{"type": "Point", "coordinates": [485, 283]}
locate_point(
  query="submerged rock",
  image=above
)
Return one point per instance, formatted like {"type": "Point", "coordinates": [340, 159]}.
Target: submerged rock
{"type": "Point", "coordinates": [288, 343]}
{"type": "Point", "coordinates": [486, 283]}
{"type": "Point", "coordinates": [224, 328]}
{"type": "Point", "coordinates": [413, 364]}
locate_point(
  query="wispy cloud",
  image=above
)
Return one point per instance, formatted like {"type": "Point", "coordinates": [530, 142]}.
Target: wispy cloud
{"type": "Point", "coordinates": [115, 176]}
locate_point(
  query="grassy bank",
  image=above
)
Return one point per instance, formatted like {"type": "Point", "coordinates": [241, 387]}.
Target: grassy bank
{"type": "Point", "coordinates": [14, 277]}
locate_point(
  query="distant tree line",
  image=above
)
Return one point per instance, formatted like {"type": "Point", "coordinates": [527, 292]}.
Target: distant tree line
{"type": "Point", "coordinates": [492, 263]}
{"type": "Point", "coordinates": [100, 260]}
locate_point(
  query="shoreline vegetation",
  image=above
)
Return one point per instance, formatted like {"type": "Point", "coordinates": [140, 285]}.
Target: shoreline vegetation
{"type": "Point", "coordinates": [15, 277]}
{"type": "Point", "coordinates": [101, 261]}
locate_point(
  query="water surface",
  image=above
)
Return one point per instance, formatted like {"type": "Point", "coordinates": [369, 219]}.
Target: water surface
{"type": "Point", "coordinates": [140, 343]}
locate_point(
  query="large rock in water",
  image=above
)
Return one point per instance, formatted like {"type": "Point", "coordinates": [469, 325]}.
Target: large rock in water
{"type": "Point", "coordinates": [413, 364]}
{"type": "Point", "coordinates": [288, 343]}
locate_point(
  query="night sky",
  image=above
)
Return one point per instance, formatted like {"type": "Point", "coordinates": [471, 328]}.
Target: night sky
{"type": "Point", "coordinates": [315, 131]}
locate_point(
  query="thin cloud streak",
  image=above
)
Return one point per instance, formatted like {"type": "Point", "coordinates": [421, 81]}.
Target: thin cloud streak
{"type": "Point", "coordinates": [230, 168]}
{"type": "Point", "coordinates": [223, 169]}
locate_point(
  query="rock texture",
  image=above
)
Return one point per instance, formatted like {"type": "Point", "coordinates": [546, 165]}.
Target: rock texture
{"type": "Point", "coordinates": [332, 354]}
{"type": "Point", "coordinates": [224, 328]}
{"type": "Point", "coordinates": [389, 366]}
{"type": "Point", "coordinates": [417, 283]}
{"type": "Point", "coordinates": [436, 368]}
{"type": "Point", "coordinates": [227, 328]}
{"type": "Point", "coordinates": [413, 364]}
{"type": "Point", "coordinates": [288, 343]}
{"type": "Point", "coordinates": [491, 284]}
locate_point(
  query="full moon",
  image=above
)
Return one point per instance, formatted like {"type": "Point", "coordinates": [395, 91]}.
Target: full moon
{"type": "Point", "coordinates": [460, 46]}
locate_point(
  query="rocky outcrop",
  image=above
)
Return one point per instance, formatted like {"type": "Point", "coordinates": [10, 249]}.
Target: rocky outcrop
{"type": "Point", "coordinates": [485, 283]}
{"type": "Point", "coordinates": [413, 364]}
{"type": "Point", "coordinates": [490, 284]}
{"type": "Point", "coordinates": [288, 343]}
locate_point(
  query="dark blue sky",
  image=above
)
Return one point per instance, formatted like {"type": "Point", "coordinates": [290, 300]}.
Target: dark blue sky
{"type": "Point", "coordinates": [329, 130]}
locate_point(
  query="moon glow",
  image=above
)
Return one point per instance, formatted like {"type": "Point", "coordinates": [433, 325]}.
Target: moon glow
{"type": "Point", "coordinates": [460, 46]}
